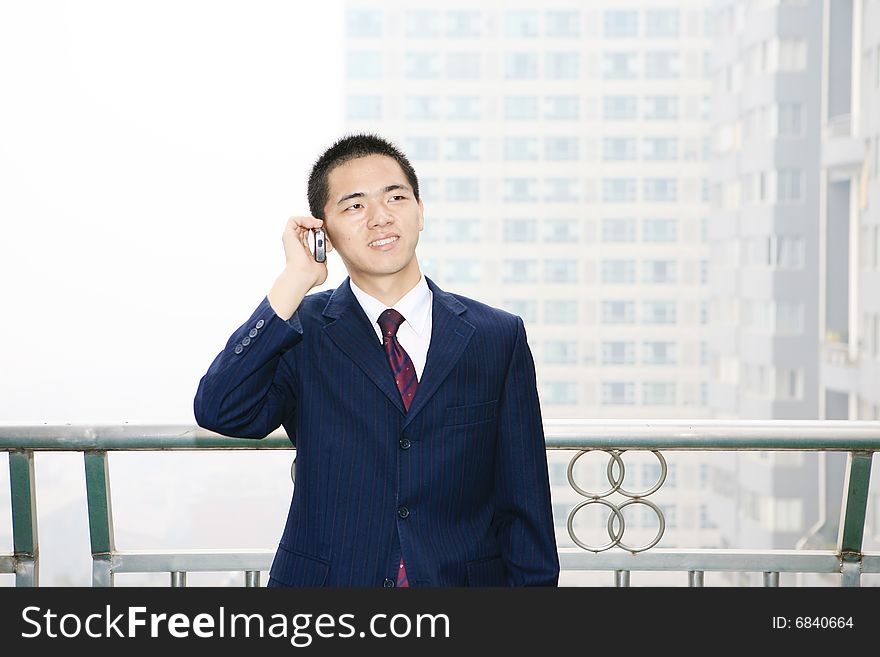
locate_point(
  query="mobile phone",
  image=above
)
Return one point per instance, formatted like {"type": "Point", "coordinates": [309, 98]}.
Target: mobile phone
{"type": "Point", "coordinates": [320, 249]}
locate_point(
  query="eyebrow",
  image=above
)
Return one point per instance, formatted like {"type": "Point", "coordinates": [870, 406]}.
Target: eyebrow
{"type": "Point", "coordinates": [389, 188]}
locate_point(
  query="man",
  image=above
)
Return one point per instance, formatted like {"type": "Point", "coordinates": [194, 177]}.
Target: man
{"type": "Point", "coordinates": [420, 447]}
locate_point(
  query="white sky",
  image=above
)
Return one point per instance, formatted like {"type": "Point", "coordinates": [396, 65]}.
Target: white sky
{"type": "Point", "coordinates": [150, 155]}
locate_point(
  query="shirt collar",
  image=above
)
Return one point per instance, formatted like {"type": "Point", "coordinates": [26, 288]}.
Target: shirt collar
{"type": "Point", "coordinates": [414, 305]}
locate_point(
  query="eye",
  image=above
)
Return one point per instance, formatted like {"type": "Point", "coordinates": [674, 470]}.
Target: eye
{"type": "Point", "coordinates": [351, 206]}
{"type": "Point", "coordinates": [397, 196]}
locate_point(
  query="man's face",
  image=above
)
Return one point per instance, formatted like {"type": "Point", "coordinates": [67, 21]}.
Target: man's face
{"type": "Point", "coordinates": [370, 199]}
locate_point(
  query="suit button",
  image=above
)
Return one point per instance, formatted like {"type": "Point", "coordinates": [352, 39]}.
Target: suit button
{"type": "Point", "coordinates": [238, 348]}
{"type": "Point", "coordinates": [260, 323]}
{"type": "Point", "coordinates": [245, 341]}
{"type": "Point", "coordinates": [403, 512]}
{"type": "Point", "coordinates": [388, 583]}
{"type": "Point", "coordinates": [404, 443]}
{"type": "Point", "coordinates": [253, 333]}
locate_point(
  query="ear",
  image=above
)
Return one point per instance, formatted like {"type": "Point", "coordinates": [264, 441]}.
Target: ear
{"type": "Point", "coordinates": [421, 215]}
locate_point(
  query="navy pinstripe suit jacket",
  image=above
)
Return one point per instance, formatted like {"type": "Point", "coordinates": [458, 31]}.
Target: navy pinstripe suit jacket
{"type": "Point", "coordinates": [459, 483]}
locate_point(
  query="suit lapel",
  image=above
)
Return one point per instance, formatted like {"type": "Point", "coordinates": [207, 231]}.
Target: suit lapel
{"type": "Point", "coordinates": [351, 331]}
{"type": "Point", "coordinates": [450, 334]}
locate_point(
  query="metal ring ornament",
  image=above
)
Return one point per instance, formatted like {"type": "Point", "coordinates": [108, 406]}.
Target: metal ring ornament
{"type": "Point", "coordinates": [663, 471]}
{"type": "Point", "coordinates": [660, 529]}
{"type": "Point", "coordinates": [616, 511]}
{"type": "Point", "coordinates": [615, 484]}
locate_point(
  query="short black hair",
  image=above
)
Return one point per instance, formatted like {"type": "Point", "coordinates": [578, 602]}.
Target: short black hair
{"type": "Point", "coordinates": [349, 148]}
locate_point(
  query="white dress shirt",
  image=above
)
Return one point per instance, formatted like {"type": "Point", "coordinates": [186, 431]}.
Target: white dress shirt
{"type": "Point", "coordinates": [414, 334]}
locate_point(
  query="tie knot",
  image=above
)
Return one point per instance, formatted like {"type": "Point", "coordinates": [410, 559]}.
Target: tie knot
{"type": "Point", "coordinates": [389, 321]}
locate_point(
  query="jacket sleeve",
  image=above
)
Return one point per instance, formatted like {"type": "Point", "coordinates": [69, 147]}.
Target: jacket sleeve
{"type": "Point", "coordinates": [249, 390]}
{"type": "Point", "coordinates": [522, 483]}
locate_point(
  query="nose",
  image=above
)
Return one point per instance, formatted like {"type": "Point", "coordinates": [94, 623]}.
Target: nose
{"type": "Point", "coordinates": [379, 217]}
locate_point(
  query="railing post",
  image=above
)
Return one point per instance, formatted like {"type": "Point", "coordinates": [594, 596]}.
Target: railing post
{"type": "Point", "coordinates": [695, 578]}
{"type": "Point", "coordinates": [621, 578]}
{"type": "Point", "coordinates": [100, 517]}
{"type": "Point", "coordinates": [178, 579]}
{"type": "Point", "coordinates": [852, 516]}
{"type": "Point", "coordinates": [252, 578]}
{"type": "Point", "coordinates": [24, 518]}
{"type": "Point", "coordinates": [771, 578]}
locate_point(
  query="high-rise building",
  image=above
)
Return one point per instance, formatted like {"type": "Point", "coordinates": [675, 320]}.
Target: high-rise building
{"type": "Point", "coordinates": [561, 152]}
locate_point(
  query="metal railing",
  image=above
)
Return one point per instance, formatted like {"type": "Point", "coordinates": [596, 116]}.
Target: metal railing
{"type": "Point", "coordinates": [858, 439]}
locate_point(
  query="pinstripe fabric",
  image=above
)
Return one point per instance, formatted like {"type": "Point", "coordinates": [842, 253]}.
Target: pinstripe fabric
{"type": "Point", "coordinates": [467, 458]}
{"type": "Point", "coordinates": [404, 373]}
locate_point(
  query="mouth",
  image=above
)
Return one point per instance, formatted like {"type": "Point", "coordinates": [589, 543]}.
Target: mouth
{"type": "Point", "coordinates": [384, 244]}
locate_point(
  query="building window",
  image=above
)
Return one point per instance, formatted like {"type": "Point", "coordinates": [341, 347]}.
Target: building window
{"type": "Point", "coordinates": [616, 149]}
{"type": "Point", "coordinates": [520, 148]}
{"type": "Point", "coordinates": [463, 65]}
{"type": "Point", "coordinates": [562, 231]}
{"type": "Point", "coordinates": [520, 230]}
{"type": "Point", "coordinates": [363, 24]}
{"type": "Point", "coordinates": [421, 65]}
{"type": "Point", "coordinates": [422, 149]}
{"type": "Point", "coordinates": [562, 65]}
{"type": "Point", "coordinates": [520, 107]}
{"type": "Point", "coordinates": [463, 23]}
{"type": "Point", "coordinates": [463, 107]}
{"type": "Point", "coordinates": [790, 120]}
{"type": "Point", "coordinates": [619, 108]}
{"type": "Point", "coordinates": [661, 23]}
{"type": "Point", "coordinates": [662, 65]}
{"type": "Point", "coordinates": [619, 230]}
{"type": "Point", "coordinates": [659, 312]}
{"type": "Point", "coordinates": [363, 107]}
{"type": "Point", "coordinates": [619, 65]}
{"type": "Point", "coordinates": [659, 271]}
{"type": "Point", "coordinates": [519, 24]}
{"type": "Point", "coordinates": [789, 384]}
{"type": "Point", "coordinates": [562, 23]}
{"type": "Point", "coordinates": [659, 353]}
{"type": "Point", "coordinates": [561, 107]}
{"type": "Point", "coordinates": [618, 353]}
{"type": "Point", "coordinates": [661, 108]}
{"type": "Point", "coordinates": [621, 23]}
{"type": "Point", "coordinates": [463, 189]}
{"type": "Point", "coordinates": [562, 393]}
{"type": "Point", "coordinates": [658, 393]}
{"type": "Point", "coordinates": [615, 311]}
{"type": "Point", "coordinates": [422, 107]}
{"type": "Point", "coordinates": [617, 393]}
{"type": "Point", "coordinates": [522, 190]}
{"type": "Point", "coordinates": [561, 148]}
{"type": "Point", "coordinates": [660, 189]}
{"type": "Point", "coordinates": [660, 230]}
{"type": "Point", "coordinates": [561, 190]}
{"type": "Point", "coordinates": [520, 271]}
{"type": "Point", "coordinates": [560, 352]}
{"type": "Point", "coordinates": [560, 271]}
{"type": "Point", "coordinates": [463, 230]}
{"type": "Point", "coordinates": [619, 190]}
{"type": "Point", "coordinates": [463, 271]}
{"type": "Point", "coordinates": [790, 187]}
{"type": "Point", "coordinates": [560, 311]}
{"type": "Point", "coordinates": [463, 149]}
{"type": "Point", "coordinates": [792, 55]}
{"type": "Point", "coordinates": [520, 65]}
{"type": "Point", "coordinates": [618, 272]}
{"type": "Point", "coordinates": [660, 148]}
{"type": "Point", "coordinates": [421, 24]}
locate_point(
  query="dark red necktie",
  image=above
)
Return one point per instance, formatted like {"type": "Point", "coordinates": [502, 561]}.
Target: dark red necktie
{"type": "Point", "coordinates": [405, 376]}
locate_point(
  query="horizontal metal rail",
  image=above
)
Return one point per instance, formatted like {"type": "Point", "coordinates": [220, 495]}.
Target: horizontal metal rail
{"type": "Point", "coordinates": [860, 439]}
